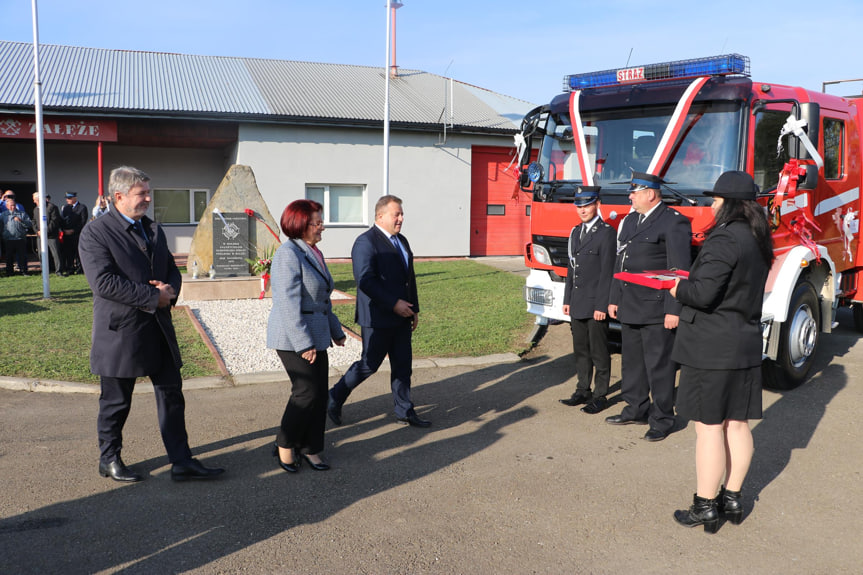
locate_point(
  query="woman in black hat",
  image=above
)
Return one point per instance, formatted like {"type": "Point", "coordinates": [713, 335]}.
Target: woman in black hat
{"type": "Point", "coordinates": [718, 347]}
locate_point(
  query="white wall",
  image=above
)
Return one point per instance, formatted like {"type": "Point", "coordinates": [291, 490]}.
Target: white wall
{"type": "Point", "coordinates": [433, 180]}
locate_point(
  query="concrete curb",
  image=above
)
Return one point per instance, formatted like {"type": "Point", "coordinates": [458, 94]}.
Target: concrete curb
{"type": "Point", "coordinates": [217, 382]}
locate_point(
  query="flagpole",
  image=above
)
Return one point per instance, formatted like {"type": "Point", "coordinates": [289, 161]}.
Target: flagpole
{"type": "Point", "coordinates": [40, 158]}
{"type": "Point", "coordinates": [386, 181]}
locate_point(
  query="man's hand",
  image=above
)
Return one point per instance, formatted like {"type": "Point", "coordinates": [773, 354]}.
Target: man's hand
{"type": "Point", "coordinates": [340, 342]}
{"type": "Point", "coordinates": [404, 308]}
{"type": "Point", "coordinates": [612, 310]}
{"type": "Point", "coordinates": [671, 321]}
{"type": "Point", "coordinates": [598, 315]}
{"type": "Point", "coordinates": [565, 309]}
{"type": "Point", "coordinates": [166, 292]}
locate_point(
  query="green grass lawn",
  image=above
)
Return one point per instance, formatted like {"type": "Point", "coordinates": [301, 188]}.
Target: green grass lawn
{"type": "Point", "coordinates": [50, 338]}
{"type": "Point", "coordinates": [466, 309]}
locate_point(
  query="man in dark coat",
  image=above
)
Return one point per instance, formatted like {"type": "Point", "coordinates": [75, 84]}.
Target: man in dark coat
{"type": "Point", "coordinates": [652, 237]}
{"type": "Point", "coordinates": [135, 282]}
{"type": "Point", "coordinates": [75, 216]}
{"type": "Point", "coordinates": [585, 296]}
{"type": "Point", "coordinates": [54, 224]}
{"type": "Point", "coordinates": [387, 310]}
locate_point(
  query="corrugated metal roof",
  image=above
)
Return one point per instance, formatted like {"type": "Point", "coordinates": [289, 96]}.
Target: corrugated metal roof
{"type": "Point", "coordinates": [80, 79]}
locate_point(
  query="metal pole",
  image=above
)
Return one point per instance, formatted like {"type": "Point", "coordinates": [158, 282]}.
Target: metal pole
{"type": "Point", "coordinates": [386, 182]}
{"type": "Point", "coordinates": [40, 158]}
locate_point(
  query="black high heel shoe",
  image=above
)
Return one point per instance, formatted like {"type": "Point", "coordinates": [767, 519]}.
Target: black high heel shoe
{"type": "Point", "coordinates": [730, 504]}
{"type": "Point", "coordinates": [702, 512]}
{"type": "Point", "coordinates": [292, 467]}
{"type": "Point", "coordinates": [316, 466]}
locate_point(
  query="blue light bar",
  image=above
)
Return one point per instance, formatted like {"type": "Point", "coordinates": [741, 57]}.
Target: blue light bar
{"type": "Point", "coordinates": [729, 64]}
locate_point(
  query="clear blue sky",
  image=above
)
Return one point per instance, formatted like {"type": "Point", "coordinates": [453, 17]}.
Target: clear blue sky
{"type": "Point", "coordinates": [521, 49]}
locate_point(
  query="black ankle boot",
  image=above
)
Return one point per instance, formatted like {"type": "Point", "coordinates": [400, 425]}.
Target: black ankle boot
{"type": "Point", "coordinates": [730, 504]}
{"type": "Point", "coordinates": [702, 512]}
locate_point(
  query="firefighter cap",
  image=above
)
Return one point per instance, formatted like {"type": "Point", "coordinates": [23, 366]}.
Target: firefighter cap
{"type": "Point", "coordinates": [642, 181]}
{"type": "Point", "coordinates": [735, 185]}
{"type": "Point", "coordinates": [585, 195]}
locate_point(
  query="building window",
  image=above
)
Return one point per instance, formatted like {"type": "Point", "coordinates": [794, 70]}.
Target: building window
{"type": "Point", "coordinates": [343, 204]}
{"type": "Point", "coordinates": [177, 206]}
{"type": "Point", "coordinates": [834, 148]}
{"type": "Point", "coordinates": [495, 210]}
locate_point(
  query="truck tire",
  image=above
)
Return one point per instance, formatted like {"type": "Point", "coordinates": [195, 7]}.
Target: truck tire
{"type": "Point", "coordinates": [798, 340]}
{"type": "Point", "coordinates": [857, 308]}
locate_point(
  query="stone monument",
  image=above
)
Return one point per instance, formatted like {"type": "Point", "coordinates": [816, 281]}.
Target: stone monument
{"type": "Point", "coordinates": [227, 226]}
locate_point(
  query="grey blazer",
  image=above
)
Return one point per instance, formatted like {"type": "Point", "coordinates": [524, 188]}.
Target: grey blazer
{"type": "Point", "coordinates": [302, 314]}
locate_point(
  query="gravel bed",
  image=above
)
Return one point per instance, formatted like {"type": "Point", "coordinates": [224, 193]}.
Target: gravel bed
{"type": "Point", "coordinates": [238, 329]}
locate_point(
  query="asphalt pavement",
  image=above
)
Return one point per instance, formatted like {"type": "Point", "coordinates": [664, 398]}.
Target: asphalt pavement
{"type": "Point", "coordinates": [507, 480]}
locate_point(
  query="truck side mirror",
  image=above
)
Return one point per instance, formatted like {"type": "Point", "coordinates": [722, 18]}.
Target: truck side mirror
{"type": "Point", "coordinates": [810, 182]}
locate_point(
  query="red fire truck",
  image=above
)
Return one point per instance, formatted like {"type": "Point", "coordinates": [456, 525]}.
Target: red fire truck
{"type": "Point", "coordinates": [689, 121]}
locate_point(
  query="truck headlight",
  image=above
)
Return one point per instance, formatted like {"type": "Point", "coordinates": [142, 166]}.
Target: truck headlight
{"type": "Point", "coordinates": [541, 254]}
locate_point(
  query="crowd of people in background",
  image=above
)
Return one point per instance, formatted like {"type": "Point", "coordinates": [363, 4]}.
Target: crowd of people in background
{"type": "Point", "coordinates": [20, 232]}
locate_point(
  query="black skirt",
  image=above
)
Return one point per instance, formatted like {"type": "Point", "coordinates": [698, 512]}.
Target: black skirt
{"type": "Point", "coordinates": [712, 396]}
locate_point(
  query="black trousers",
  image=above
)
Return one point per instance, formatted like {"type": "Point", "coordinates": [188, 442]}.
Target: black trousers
{"type": "Point", "coordinates": [115, 403]}
{"type": "Point", "coordinates": [378, 342]}
{"type": "Point", "coordinates": [16, 251]}
{"type": "Point", "coordinates": [590, 350]}
{"type": "Point", "coordinates": [69, 248]}
{"type": "Point", "coordinates": [305, 417]}
{"type": "Point", "coordinates": [648, 372]}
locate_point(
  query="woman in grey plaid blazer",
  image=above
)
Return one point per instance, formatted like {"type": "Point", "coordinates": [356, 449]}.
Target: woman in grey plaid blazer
{"type": "Point", "coordinates": [301, 327]}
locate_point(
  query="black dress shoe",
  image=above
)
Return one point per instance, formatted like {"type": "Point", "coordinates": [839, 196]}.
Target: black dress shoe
{"type": "Point", "coordinates": [118, 471]}
{"type": "Point", "coordinates": [577, 398]}
{"type": "Point", "coordinates": [194, 469]}
{"type": "Point", "coordinates": [596, 405]}
{"type": "Point", "coordinates": [316, 466]}
{"type": "Point", "coordinates": [655, 435]}
{"type": "Point", "coordinates": [413, 420]}
{"type": "Point", "coordinates": [620, 420]}
{"type": "Point", "coordinates": [334, 410]}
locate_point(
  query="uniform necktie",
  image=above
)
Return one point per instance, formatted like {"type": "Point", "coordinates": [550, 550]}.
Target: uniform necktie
{"type": "Point", "coordinates": [640, 220]}
{"type": "Point", "coordinates": [582, 233]}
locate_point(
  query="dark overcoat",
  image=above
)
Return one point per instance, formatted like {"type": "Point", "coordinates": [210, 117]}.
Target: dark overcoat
{"type": "Point", "coordinates": [128, 327]}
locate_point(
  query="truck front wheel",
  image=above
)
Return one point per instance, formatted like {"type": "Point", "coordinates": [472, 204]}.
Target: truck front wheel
{"type": "Point", "coordinates": [798, 340]}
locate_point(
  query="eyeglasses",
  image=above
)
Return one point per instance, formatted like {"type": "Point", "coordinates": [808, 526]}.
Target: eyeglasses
{"type": "Point", "coordinates": [316, 224]}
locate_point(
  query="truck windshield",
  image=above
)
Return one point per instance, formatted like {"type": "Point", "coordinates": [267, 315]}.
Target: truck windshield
{"type": "Point", "coordinates": [621, 140]}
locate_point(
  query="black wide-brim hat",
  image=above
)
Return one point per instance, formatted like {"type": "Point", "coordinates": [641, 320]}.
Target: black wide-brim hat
{"type": "Point", "coordinates": [586, 195]}
{"type": "Point", "coordinates": [734, 185]}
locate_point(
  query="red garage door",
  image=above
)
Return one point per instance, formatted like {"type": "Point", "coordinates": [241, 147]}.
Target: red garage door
{"type": "Point", "coordinates": [499, 225]}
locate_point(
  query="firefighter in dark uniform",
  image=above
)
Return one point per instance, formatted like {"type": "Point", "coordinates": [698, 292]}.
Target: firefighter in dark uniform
{"type": "Point", "coordinates": [652, 237]}
{"type": "Point", "coordinates": [585, 300]}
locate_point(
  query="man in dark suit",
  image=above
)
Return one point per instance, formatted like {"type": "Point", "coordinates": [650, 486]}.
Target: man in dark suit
{"type": "Point", "coordinates": [585, 296]}
{"type": "Point", "coordinates": [75, 215]}
{"type": "Point", "coordinates": [387, 310]}
{"type": "Point", "coordinates": [652, 237]}
{"type": "Point", "coordinates": [55, 222]}
{"type": "Point", "coordinates": [135, 282]}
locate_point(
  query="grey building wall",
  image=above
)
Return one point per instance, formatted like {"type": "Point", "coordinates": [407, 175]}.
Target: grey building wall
{"type": "Point", "coordinates": [433, 178]}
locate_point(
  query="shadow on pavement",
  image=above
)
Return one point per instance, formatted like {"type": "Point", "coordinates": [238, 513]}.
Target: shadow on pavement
{"type": "Point", "coordinates": [158, 526]}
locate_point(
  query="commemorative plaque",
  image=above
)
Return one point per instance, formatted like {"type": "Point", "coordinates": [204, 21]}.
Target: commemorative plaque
{"type": "Point", "coordinates": [231, 244]}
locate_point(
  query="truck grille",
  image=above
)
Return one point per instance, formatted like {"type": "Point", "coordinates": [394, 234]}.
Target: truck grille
{"type": "Point", "coordinates": [556, 248]}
